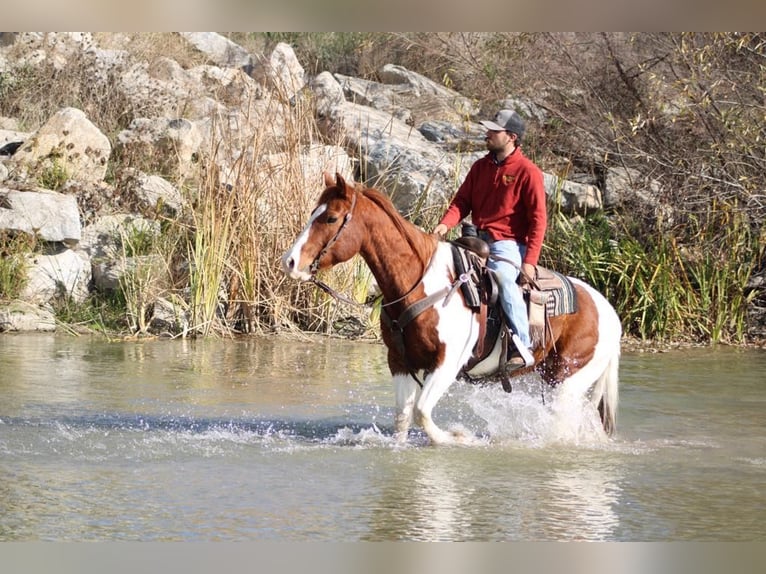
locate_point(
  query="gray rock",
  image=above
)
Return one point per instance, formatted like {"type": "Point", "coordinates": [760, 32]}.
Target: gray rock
{"type": "Point", "coordinates": [281, 72]}
{"type": "Point", "coordinates": [175, 143]}
{"type": "Point", "coordinates": [66, 274]}
{"type": "Point", "coordinates": [109, 273]}
{"type": "Point", "coordinates": [155, 194]}
{"type": "Point", "coordinates": [107, 236]}
{"type": "Point", "coordinates": [51, 216]}
{"type": "Point", "coordinates": [67, 141]}
{"type": "Point", "coordinates": [23, 316]}
{"type": "Point", "coordinates": [574, 198]}
{"type": "Point", "coordinates": [220, 50]}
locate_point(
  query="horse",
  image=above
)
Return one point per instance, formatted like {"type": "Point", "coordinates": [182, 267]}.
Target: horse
{"type": "Point", "coordinates": [415, 272]}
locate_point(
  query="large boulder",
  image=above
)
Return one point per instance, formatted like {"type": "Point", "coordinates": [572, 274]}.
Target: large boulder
{"type": "Point", "coordinates": [173, 144]}
{"type": "Point", "coordinates": [68, 141]}
{"type": "Point", "coordinates": [220, 50]}
{"type": "Point", "coordinates": [281, 72]}
{"type": "Point", "coordinates": [62, 275]}
{"type": "Point", "coordinates": [572, 197]}
{"type": "Point", "coordinates": [50, 216]}
{"type": "Point", "coordinates": [394, 156]}
{"type": "Point", "coordinates": [110, 236]}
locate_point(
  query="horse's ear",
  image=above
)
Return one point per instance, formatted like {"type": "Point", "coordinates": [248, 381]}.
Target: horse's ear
{"type": "Point", "coordinates": [336, 181]}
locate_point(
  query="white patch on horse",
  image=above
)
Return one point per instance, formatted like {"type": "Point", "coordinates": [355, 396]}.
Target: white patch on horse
{"type": "Point", "coordinates": [417, 407]}
{"type": "Point", "coordinates": [600, 373]}
{"type": "Point", "coordinates": [292, 258]}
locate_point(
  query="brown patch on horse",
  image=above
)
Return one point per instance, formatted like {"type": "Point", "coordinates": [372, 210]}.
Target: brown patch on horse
{"type": "Point", "coordinates": [423, 349]}
{"type": "Point", "coordinates": [574, 337]}
{"type": "Point", "coordinates": [407, 251]}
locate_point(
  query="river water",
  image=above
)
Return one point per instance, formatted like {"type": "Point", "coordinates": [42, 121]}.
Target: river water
{"type": "Point", "coordinates": [275, 440]}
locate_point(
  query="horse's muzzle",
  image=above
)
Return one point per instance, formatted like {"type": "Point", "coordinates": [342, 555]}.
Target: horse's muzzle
{"type": "Point", "coordinates": [290, 268]}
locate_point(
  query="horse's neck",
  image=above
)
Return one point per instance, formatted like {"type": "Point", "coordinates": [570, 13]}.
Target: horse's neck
{"type": "Point", "coordinates": [396, 264]}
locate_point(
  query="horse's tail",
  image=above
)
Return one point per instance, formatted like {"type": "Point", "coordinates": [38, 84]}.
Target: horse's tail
{"type": "Point", "coordinates": [607, 388]}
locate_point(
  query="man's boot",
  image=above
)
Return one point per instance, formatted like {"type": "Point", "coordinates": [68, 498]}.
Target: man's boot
{"type": "Point", "coordinates": [520, 357]}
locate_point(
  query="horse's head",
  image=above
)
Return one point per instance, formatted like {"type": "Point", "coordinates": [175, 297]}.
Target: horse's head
{"type": "Point", "coordinates": [328, 237]}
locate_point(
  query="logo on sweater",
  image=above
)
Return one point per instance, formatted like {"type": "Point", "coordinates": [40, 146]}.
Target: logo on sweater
{"type": "Point", "coordinates": [508, 178]}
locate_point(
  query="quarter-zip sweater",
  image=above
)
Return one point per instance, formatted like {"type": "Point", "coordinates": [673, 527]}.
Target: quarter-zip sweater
{"type": "Point", "coordinates": [507, 200]}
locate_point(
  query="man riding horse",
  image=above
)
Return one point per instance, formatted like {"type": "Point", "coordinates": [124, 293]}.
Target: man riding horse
{"type": "Point", "coordinates": [505, 196]}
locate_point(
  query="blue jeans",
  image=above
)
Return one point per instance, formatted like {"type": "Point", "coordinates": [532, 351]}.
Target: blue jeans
{"type": "Point", "coordinates": [510, 293]}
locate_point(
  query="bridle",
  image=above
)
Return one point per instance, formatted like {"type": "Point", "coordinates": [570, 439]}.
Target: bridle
{"type": "Point", "coordinates": [398, 324]}
{"type": "Point", "coordinates": [314, 267]}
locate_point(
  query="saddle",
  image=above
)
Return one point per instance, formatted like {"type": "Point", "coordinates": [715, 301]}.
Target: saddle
{"type": "Point", "coordinates": [547, 294]}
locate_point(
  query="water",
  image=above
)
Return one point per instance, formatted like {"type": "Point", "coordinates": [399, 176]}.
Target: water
{"type": "Point", "coordinates": [274, 440]}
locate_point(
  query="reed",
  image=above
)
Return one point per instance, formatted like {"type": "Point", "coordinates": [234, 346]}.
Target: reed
{"type": "Point", "coordinates": [101, 313]}
{"type": "Point", "coordinates": [245, 214]}
{"type": "Point", "coordinates": [14, 249]}
{"type": "Point", "coordinates": [208, 254]}
{"type": "Point", "coordinates": [684, 284]}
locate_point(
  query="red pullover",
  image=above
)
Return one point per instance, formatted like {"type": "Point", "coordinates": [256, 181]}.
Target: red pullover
{"type": "Point", "coordinates": [507, 201]}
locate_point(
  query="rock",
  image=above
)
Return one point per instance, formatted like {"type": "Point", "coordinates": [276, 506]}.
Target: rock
{"type": "Point", "coordinates": [328, 94]}
{"type": "Point", "coordinates": [451, 105]}
{"type": "Point", "coordinates": [376, 95]}
{"type": "Point", "coordinates": [108, 274]}
{"type": "Point", "coordinates": [574, 198]}
{"type": "Point", "coordinates": [70, 142]}
{"type": "Point", "coordinates": [625, 184]}
{"type": "Point", "coordinates": [220, 50]}
{"type": "Point", "coordinates": [11, 140]}
{"type": "Point", "coordinates": [50, 277]}
{"type": "Point", "coordinates": [109, 237]}
{"type": "Point", "coordinates": [24, 316]}
{"type": "Point", "coordinates": [173, 144]}
{"type": "Point", "coordinates": [168, 317]}
{"type": "Point", "coordinates": [51, 216]}
{"type": "Point", "coordinates": [280, 72]}
{"type": "Point", "coordinates": [154, 194]}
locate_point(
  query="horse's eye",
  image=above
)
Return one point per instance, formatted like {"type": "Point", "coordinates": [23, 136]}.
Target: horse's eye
{"type": "Point", "coordinates": [331, 219]}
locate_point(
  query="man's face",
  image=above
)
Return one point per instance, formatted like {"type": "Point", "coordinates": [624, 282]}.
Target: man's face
{"type": "Point", "coordinates": [498, 140]}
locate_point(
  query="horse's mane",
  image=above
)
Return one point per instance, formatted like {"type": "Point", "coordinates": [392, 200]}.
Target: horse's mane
{"type": "Point", "coordinates": [413, 235]}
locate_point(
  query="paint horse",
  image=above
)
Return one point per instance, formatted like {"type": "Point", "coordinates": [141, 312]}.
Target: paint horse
{"type": "Point", "coordinates": [428, 329]}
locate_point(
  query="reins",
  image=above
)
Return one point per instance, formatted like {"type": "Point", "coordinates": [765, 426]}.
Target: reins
{"type": "Point", "coordinates": [409, 314]}
{"type": "Point", "coordinates": [344, 299]}
{"type": "Point", "coordinates": [314, 267]}
{"type": "Point", "coordinates": [530, 280]}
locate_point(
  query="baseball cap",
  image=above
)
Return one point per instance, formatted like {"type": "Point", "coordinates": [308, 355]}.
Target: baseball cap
{"type": "Point", "coordinates": [507, 120]}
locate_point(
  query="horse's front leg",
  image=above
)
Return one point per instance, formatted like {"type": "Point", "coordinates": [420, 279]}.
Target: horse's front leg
{"type": "Point", "coordinates": [406, 392]}
{"type": "Point", "coordinates": [434, 387]}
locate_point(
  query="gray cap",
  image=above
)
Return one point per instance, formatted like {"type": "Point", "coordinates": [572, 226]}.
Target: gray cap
{"type": "Point", "coordinates": [507, 120]}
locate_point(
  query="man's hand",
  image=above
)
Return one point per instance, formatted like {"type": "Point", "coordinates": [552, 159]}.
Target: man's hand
{"type": "Point", "coordinates": [527, 273]}
{"type": "Point", "coordinates": [441, 230]}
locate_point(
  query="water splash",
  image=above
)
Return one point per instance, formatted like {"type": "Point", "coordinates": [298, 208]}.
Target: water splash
{"type": "Point", "coordinates": [525, 416]}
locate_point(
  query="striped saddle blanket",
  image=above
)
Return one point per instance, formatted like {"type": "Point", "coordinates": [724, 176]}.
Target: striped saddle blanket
{"type": "Point", "coordinates": [555, 290]}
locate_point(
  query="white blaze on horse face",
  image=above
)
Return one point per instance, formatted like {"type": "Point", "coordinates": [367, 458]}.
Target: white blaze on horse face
{"type": "Point", "coordinates": [291, 260]}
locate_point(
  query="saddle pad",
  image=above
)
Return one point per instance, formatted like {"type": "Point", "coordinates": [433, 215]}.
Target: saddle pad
{"type": "Point", "coordinates": [561, 301]}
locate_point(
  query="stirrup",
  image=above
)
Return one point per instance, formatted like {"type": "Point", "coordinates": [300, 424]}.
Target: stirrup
{"type": "Point", "coordinates": [524, 358]}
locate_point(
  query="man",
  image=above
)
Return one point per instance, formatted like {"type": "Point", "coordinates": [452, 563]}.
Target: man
{"type": "Point", "coordinates": [505, 195]}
